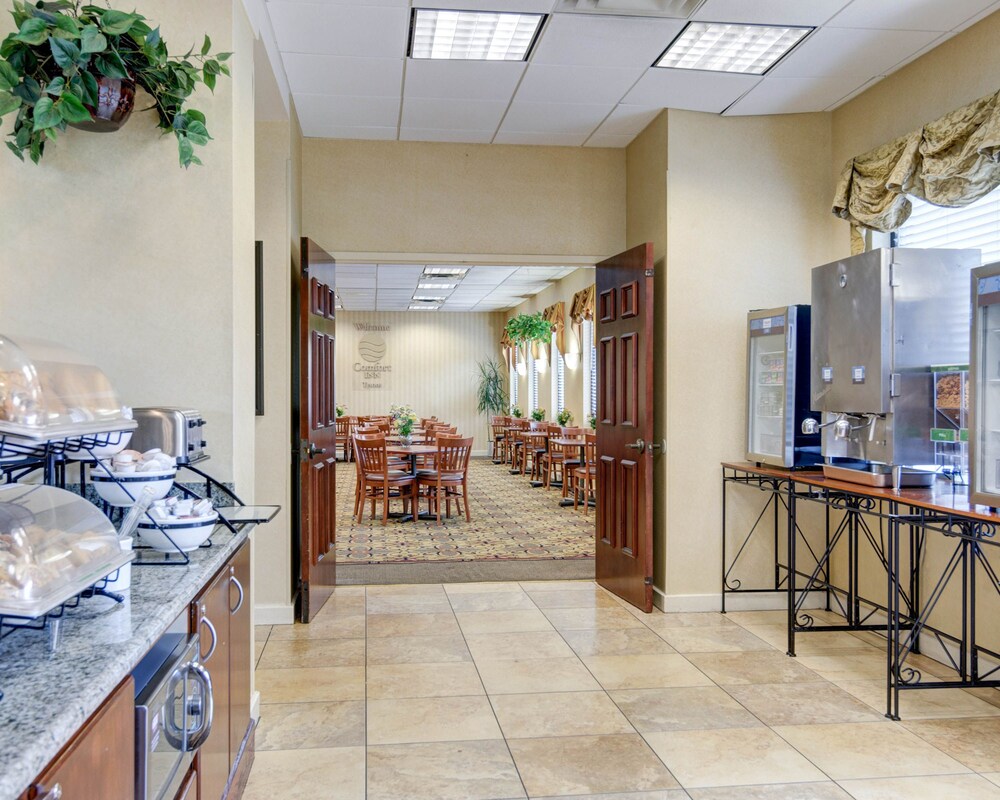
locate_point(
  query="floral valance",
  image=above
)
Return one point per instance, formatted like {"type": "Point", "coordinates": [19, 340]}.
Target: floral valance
{"type": "Point", "coordinates": [584, 302]}
{"type": "Point", "coordinates": [950, 162]}
{"type": "Point", "coordinates": [556, 314]}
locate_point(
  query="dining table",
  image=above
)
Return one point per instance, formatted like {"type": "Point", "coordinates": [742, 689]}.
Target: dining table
{"type": "Point", "coordinates": [565, 443]}
{"type": "Point", "coordinates": [533, 438]}
{"type": "Point", "coordinates": [410, 453]}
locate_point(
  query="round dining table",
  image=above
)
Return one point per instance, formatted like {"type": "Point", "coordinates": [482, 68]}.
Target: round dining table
{"type": "Point", "coordinates": [581, 443]}
{"type": "Point", "coordinates": [410, 453]}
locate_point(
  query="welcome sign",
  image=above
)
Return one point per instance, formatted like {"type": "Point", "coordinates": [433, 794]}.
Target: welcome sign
{"type": "Point", "coordinates": [370, 371]}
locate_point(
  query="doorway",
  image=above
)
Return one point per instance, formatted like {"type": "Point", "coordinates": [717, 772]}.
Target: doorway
{"type": "Point", "coordinates": [418, 335]}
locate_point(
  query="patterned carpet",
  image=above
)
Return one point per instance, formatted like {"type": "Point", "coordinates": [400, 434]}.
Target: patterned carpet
{"type": "Point", "coordinates": [510, 520]}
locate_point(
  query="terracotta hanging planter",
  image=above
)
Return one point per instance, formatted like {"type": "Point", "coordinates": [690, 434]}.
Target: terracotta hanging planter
{"type": "Point", "coordinates": [115, 101]}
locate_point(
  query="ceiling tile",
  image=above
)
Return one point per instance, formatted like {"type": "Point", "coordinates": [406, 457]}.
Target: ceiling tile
{"type": "Point", "coordinates": [446, 135]}
{"type": "Point", "coordinates": [771, 12]}
{"type": "Point", "coordinates": [372, 31]}
{"type": "Point", "coordinates": [354, 281]}
{"type": "Point", "coordinates": [841, 51]}
{"type": "Point", "coordinates": [468, 80]}
{"type": "Point", "coordinates": [474, 115]}
{"type": "Point", "coordinates": [629, 119]}
{"type": "Point", "coordinates": [397, 3]}
{"type": "Point", "coordinates": [564, 118]}
{"type": "Point", "coordinates": [313, 74]}
{"type": "Point", "coordinates": [614, 140]}
{"type": "Point", "coordinates": [913, 15]}
{"type": "Point", "coordinates": [550, 83]}
{"type": "Point", "coordinates": [854, 94]}
{"type": "Point", "coordinates": [795, 94]}
{"type": "Point", "coordinates": [690, 89]}
{"type": "Point", "coordinates": [489, 275]}
{"type": "Point", "coordinates": [394, 270]}
{"type": "Point", "coordinates": [604, 41]}
{"type": "Point", "coordinates": [317, 110]}
{"type": "Point", "coordinates": [542, 139]}
{"type": "Point", "coordinates": [515, 6]}
{"type": "Point", "coordinates": [349, 132]}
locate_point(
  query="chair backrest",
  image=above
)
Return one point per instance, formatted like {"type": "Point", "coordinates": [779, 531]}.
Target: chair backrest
{"type": "Point", "coordinates": [571, 433]}
{"type": "Point", "coordinates": [371, 454]}
{"type": "Point", "coordinates": [590, 448]}
{"type": "Point", "coordinates": [435, 434]}
{"type": "Point", "coordinates": [519, 423]}
{"type": "Point", "coordinates": [453, 453]}
{"type": "Point", "coordinates": [538, 426]}
{"type": "Point", "coordinates": [554, 429]}
{"type": "Point", "coordinates": [343, 426]}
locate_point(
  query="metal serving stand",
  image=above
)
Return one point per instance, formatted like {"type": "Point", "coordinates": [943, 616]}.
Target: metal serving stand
{"type": "Point", "coordinates": [905, 520]}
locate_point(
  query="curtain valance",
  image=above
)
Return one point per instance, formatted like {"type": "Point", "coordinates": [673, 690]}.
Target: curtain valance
{"type": "Point", "coordinates": [950, 162]}
{"type": "Point", "coordinates": [556, 314]}
{"type": "Point", "coordinates": [584, 302]}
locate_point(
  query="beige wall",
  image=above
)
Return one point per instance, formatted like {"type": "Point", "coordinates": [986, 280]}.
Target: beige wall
{"type": "Point", "coordinates": [277, 176]}
{"type": "Point", "coordinates": [748, 218]}
{"type": "Point", "coordinates": [573, 378]}
{"type": "Point", "coordinates": [111, 247]}
{"type": "Point", "coordinates": [646, 221]}
{"type": "Point", "coordinates": [433, 357]}
{"type": "Point", "coordinates": [420, 197]}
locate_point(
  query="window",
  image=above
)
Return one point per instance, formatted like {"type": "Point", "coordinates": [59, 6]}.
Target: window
{"type": "Point", "coordinates": [532, 382]}
{"type": "Point", "coordinates": [558, 373]}
{"type": "Point", "coordinates": [513, 377]}
{"type": "Point", "coordinates": [589, 369]}
{"type": "Point", "coordinates": [976, 226]}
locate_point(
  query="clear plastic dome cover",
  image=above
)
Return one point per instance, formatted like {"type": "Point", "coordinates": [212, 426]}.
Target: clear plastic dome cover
{"type": "Point", "coordinates": [48, 391]}
{"type": "Point", "coordinates": [53, 545]}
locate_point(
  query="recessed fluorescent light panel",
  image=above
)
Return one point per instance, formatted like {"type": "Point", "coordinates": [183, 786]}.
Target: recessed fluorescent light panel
{"type": "Point", "coordinates": [425, 298]}
{"type": "Point", "coordinates": [472, 35]}
{"type": "Point", "coordinates": [424, 307]}
{"type": "Point", "coordinates": [723, 47]}
{"type": "Point", "coordinates": [431, 285]}
{"type": "Point", "coordinates": [456, 272]}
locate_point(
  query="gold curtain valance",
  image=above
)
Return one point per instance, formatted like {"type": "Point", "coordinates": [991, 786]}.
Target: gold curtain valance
{"type": "Point", "coordinates": [950, 162]}
{"type": "Point", "coordinates": [584, 303]}
{"type": "Point", "coordinates": [556, 314]}
{"type": "Point", "coordinates": [508, 348]}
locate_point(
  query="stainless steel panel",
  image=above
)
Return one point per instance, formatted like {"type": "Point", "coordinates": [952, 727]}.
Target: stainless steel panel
{"type": "Point", "coordinates": [984, 389]}
{"type": "Point", "coordinates": [851, 329]}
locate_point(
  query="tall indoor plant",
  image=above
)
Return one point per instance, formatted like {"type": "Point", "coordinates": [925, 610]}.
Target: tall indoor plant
{"type": "Point", "coordinates": [491, 393]}
{"type": "Point", "coordinates": [75, 64]}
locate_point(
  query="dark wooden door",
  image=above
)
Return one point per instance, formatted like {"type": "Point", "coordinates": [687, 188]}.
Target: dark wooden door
{"type": "Point", "coordinates": [317, 426]}
{"type": "Point", "coordinates": [625, 380]}
{"type": "Point", "coordinates": [240, 652]}
{"type": "Point", "coordinates": [213, 627]}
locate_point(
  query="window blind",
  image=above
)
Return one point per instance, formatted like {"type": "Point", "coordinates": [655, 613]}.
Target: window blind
{"type": "Point", "coordinates": [532, 383]}
{"type": "Point", "coordinates": [593, 371]}
{"type": "Point", "coordinates": [977, 225]}
{"type": "Point", "coordinates": [513, 378]}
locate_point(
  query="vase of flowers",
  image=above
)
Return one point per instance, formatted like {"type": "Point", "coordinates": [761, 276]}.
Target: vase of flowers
{"type": "Point", "coordinates": [516, 412]}
{"type": "Point", "coordinates": [341, 408]}
{"type": "Point", "coordinates": [565, 417]}
{"type": "Point", "coordinates": [592, 421]}
{"type": "Point", "coordinates": [403, 420]}
{"type": "Point", "coordinates": [538, 414]}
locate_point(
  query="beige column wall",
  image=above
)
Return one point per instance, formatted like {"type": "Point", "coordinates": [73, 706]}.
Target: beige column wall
{"type": "Point", "coordinates": [112, 248]}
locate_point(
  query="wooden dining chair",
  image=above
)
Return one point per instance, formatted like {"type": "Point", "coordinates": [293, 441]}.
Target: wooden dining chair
{"type": "Point", "coordinates": [559, 458]}
{"type": "Point", "coordinates": [378, 480]}
{"type": "Point", "coordinates": [585, 475]}
{"type": "Point", "coordinates": [497, 425]}
{"type": "Point", "coordinates": [344, 436]}
{"type": "Point", "coordinates": [449, 479]}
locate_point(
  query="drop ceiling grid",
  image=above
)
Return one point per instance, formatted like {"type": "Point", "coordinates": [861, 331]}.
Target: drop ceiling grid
{"type": "Point", "coordinates": [588, 80]}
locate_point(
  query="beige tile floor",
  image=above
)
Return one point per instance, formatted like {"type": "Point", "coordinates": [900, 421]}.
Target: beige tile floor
{"type": "Point", "coordinates": [558, 690]}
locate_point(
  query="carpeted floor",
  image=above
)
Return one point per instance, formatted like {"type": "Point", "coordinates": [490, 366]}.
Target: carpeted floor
{"type": "Point", "coordinates": [510, 521]}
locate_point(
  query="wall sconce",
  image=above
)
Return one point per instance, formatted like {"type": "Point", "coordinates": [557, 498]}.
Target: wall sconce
{"type": "Point", "coordinates": [572, 360]}
{"type": "Point", "coordinates": [522, 368]}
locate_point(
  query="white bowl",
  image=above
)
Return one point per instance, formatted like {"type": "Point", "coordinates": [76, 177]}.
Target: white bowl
{"type": "Point", "coordinates": [105, 451]}
{"type": "Point", "coordinates": [188, 533]}
{"type": "Point", "coordinates": [117, 493]}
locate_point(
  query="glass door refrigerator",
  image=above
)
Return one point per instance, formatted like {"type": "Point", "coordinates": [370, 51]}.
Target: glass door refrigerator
{"type": "Point", "coordinates": [984, 375]}
{"type": "Point", "coordinates": [778, 388]}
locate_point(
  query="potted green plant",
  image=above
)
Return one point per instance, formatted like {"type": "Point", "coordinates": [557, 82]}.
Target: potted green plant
{"type": "Point", "coordinates": [528, 328]}
{"type": "Point", "coordinates": [565, 417]}
{"type": "Point", "coordinates": [341, 408]}
{"type": "Point", "coordinates": [491, 392]}
{"type": "Point", "coordinates": [538, 415]}
{"type": "Point", "coordinates": [592, 421]}
{"type": "Point", "coordinates": [74, 64]}
{"type": "Point", "coordinates": [516, 412]}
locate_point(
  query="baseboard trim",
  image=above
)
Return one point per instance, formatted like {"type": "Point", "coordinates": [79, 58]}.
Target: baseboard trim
{"type": "Point", "coordinates": [757, 601]}
{"type": "Point", "coordinates": [274, 614]}
{"type": "Point", "coordinates": [255, 706]}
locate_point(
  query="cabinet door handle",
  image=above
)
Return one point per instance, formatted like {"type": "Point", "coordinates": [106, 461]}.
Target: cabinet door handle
{"type": "Point", "coordinates": [196, 737]}
{"type": "Point", "coordinates": [239, 587]}
{"type": "Point", "coordinates": [55, 793]}
{"type": "Point", "coordinates": [215, 636]}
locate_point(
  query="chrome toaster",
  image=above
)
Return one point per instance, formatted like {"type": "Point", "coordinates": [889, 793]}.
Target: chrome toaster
{"type": "Point", "coordinates": [176, 431]}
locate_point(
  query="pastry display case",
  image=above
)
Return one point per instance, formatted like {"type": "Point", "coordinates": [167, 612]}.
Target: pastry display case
{"type": "Point", "coordinates": [984, 376]}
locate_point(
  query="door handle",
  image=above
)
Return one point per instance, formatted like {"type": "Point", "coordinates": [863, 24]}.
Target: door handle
{"type": "Point", "coordinates": [215, 636]}
{"type": "Point", "coordinates": [314, 451]}
{"type": "Point", "coordinates": [234, 581]}
{"type": "Point", "coordinates": [196, 737]}
{"type": "Point", "coordinates": [638, 444]}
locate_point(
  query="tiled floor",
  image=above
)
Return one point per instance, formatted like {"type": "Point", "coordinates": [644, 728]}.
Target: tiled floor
{"type": "Point", "coordinates": [557, 690]}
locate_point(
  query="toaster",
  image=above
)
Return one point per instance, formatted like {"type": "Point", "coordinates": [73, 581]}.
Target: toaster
{"type": "Point", "coordinates": [176, 431]}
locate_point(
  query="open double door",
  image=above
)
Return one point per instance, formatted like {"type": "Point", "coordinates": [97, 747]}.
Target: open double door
{"type": "Point", "coordinates": [625, 446]}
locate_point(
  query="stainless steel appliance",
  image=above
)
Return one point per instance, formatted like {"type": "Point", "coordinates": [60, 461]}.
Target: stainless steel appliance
{"type": "Point", "coordinates": [882, 323]}
{"type": "Point", "coordinates": [778, 388]}
{"type": "Point", "coordinates": [173, 712]}
{"type": "Point", "coordinates": [179, 432]}
{"type": "Point", "coordinates": [984, 379]}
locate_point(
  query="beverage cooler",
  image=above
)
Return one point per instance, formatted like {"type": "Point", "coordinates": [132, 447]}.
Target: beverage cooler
{"type": "Point", "coordinates": [984, 376]}
{"type": "Point", "coordinates": [778, 388]}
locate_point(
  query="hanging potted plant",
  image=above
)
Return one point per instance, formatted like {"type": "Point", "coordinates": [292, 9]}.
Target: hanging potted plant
{"type": "Point", "coordinates": [78, 65]}
{"type": "Point", "coordinates": [526, 329]}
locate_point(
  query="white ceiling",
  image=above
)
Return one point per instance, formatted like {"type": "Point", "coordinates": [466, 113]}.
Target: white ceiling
{"type": "Point", "coordinates": [391, 287]}
{"type": "Point", "coordinates": [588, 80]}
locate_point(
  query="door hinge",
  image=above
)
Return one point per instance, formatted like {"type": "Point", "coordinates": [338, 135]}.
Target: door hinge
{"type": "Point", "coordinates": [894, 384]}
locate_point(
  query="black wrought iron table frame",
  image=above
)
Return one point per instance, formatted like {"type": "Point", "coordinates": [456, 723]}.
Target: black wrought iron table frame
{"type": "Point", "coordinates": [906, 517]}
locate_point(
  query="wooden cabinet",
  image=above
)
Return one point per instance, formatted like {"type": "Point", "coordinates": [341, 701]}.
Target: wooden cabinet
{"type": "Point", "coordinates": [222, 613]}
{"type": "Point", "coordinates": [99, 760]}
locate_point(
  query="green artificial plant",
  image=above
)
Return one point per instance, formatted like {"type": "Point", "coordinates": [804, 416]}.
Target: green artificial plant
{"type": "Point", "coordinates": [564, 417]}
{"type": "Point", "coordinates": [51, 66]}
{"type": "Point", "coordinates": [538, 414]}
{"type": "Point", "coordinates": [516, 412]}
{"type": "Point", "coordinates": [491, 391]}
{"type": "Point", "coordinates": [528, 328]}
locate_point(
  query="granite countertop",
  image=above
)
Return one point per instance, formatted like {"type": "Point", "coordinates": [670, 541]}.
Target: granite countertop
{"type": "Point", "coordinates": [49, 695]}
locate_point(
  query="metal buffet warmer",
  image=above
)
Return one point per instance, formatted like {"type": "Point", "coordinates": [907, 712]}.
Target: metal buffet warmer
{"type": "Point", "coordinates": [883, 323]}
{"type": "Point", "coordinates": [778, 388]}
